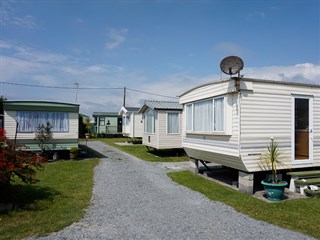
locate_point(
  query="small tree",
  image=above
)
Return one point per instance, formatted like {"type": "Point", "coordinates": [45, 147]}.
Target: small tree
{"type": "Point", "coordinates": [88, 124]}
{"type": "Point", "coordinates": [270, 160]}
{"type": "Point", "coordinates": [16, 161]}
{"type": "Point", "coordinates": [43, 135]}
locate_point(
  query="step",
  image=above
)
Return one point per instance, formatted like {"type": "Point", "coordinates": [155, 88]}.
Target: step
{"type": "Point", "coordinates": [309, 181]}
{"type": "Point", "coordinates": [310, 193]}
{"type": "Point", "coordinates": [313, 173]}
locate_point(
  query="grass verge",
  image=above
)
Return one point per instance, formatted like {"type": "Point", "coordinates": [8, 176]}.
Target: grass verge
{"type": "Point", "coordinates": [298, 215]}
{"type": "Point", "coordinates": [58, 200]}
{"type": "Point", "coordinates": [140, 151]}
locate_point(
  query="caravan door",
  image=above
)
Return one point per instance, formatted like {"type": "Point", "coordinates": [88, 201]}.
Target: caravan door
{"type": "Point", "coordinates": [302, 129]}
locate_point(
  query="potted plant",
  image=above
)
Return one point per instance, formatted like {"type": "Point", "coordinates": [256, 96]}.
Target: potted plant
{"type": "Point", "coordinates": [270, 160]}
{"type": "Point", "coordinates": [74, 153]}
{"type": "Point", "coordinates": [88, 126]}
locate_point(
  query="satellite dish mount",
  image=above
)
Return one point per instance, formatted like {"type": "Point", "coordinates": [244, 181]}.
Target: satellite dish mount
{"type": "Point", "coordinates": [231, 65]}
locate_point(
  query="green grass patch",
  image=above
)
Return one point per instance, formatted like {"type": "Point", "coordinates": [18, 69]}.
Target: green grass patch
{"type": "Point", "coordinates": [58, 200]}
{"type": "Point", "coordinates": [141, 151]}
{"type": "Point", "coordinates": [298, 215]}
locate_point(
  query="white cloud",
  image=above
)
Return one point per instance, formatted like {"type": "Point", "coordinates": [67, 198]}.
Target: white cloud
{"type": "Point", "coordinates": [12, 68]}
{"type": "Point", "coordinates": [229, 48]}
{"type": "Point", "coordinates": [81, 70]}
{"type": "Point", "coordinates": [23, 65]}
{"type": "Point", "coordinates": [32, 55]}
{"type": "Point", "coordinates": [255, 14]}
{"type": "Point", "coordinates": [116, 37]}
{"type": "Point", "coordinates": [9, 16]}
{"type": "Point", "coordinates": [5, 45]}
{"type": "Point", "coordinates": [305, 73]}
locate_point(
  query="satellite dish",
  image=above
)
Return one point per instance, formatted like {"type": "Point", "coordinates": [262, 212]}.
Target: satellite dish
{"type": "Point", "coordinates": [231, 65]}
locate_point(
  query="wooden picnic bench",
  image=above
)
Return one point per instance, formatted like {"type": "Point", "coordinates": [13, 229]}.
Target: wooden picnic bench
{"type": "Point", "coordinates": [301, 180]}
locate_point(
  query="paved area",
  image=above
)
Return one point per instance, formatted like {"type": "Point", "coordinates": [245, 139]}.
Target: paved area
{"type": "Point", "coordinates": [134, 199]}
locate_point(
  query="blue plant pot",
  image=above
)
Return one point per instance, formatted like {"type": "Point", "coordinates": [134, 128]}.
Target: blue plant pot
{"type": "Point", "coordinates": [274, 191]}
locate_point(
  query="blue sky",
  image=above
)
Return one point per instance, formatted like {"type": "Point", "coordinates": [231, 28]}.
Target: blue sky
{"type": "Point", "coordinates": [161, 47]}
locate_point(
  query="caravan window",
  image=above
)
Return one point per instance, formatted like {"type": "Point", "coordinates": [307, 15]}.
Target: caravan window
{"type": "Point", "coordinates": [205, 116]}
{"type": "Point", "coordinates": [189, 123]}
{"type": "Point", "coordinates": [218, 114]}
{"type": "Point", "coordinates": [173, 123]}
{"type": "Point", "coordinates": [202, 116]}
{"type": "Point", "coordinates": [29, 121]}
{"type": "Point", "coordinates": [149, 121]}
{"type": "Point", "coordinates": [102, 121]}
{"type": "Point", "coordinates": [126, 120]}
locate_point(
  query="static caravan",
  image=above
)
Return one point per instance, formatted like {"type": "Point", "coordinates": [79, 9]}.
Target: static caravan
{"type": "Point", "coordinates": [132, 125]}
{"type": "Point", "coordinates": [231, 122]}
{"type": "Point", "coordinates": [162, 124]}
{"type": "Point", "coordinates": [107, 124]}
{"type": "Point", "coordinates": [21, 119]}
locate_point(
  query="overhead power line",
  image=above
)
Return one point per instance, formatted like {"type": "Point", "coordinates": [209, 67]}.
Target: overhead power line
{"type": "Point", "coordinates": [64, 87]}
{"type": "Point", "coordinates": [151, 93]}
{"type": "Point", "coordinates": [76, 87]}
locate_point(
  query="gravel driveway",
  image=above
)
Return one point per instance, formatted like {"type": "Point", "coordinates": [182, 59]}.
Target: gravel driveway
{"type": "Point", "coordinates": [134, 199]}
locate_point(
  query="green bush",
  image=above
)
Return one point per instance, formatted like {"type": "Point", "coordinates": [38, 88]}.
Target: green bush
{"type": "Point", "coordinates": [135, 140]}
{"type": "Point", "coordinates": [74, 150]}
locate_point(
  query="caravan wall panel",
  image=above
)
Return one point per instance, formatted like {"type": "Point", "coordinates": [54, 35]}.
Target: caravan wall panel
{"type": "Point", "coordinates": [267, 112]}
{"type": "Point", "coordinates": [137, 126]}
{"type": "Point", "coordinates": [168, 140]}
{"type": "Point", "coordinates": [207, 91]}
{"type": "Point", "coordinates": [224, 147]}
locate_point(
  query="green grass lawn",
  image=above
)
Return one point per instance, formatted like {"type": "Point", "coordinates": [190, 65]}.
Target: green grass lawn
{"type": "Point", "coordinates": [58, 200]}
{"type": "Point", "coordinates": [140, 151]}
{"type": "Point", "coordinates": [301, 215]}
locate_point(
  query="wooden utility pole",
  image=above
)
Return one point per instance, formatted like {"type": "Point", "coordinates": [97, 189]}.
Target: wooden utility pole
{"type": "Point", "coordinates": [77, 89]}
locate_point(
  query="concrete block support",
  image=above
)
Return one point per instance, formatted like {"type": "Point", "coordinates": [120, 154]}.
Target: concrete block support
{"type": "Point", "coordinates": [246, 182]}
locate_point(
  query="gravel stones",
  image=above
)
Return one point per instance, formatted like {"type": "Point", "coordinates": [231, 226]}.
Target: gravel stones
{"type": "Point", "coordinates": [134, 199]}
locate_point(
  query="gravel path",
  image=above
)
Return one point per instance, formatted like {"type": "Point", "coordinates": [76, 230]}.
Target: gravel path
{"type": "Point", "coordinates": [133, 199]}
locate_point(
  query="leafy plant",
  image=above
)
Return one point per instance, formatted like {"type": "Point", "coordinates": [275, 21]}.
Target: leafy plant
{"type": "Point", "coordinates": [56, 201]}
{"type": "Point", "coordinates": [135, 140]}
{"type": "Point", "coordinates": [15, 160]}
{"type": "Point", "coordinates": [270, 160]}
{"type": "Point", "coordinates": [88, 124]}
{"type": "Point", "coordinates": [74, 150]}
{"type": "Point", "coordinates": [43, 135]}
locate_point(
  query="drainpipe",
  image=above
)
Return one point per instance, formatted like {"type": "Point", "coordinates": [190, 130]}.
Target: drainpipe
{"type": "Point", "coordinates": [239, 112]}
{"type": "Point", "coordinates": [237, 86]}
{"type": "Point", "coordinates": [132, 115]}
{"type": "Point", "coordinates": [98, 123]}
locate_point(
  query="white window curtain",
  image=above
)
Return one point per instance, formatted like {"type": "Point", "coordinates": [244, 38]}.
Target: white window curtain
{"type": "Point", "coordinates": [29, 121]}
{"type": "Point", "coordinates": [128, 120]}
{"type": "Point", "coordinates": [149, 123]}
{"type": "Point", "coordinates": [189, 117]}
{"type": "Point", "coordinates": [202, 116]}
{"type": "Point", "coordinates": [219, 114]}
{"type": "Point", "coordinates": [173, 123]}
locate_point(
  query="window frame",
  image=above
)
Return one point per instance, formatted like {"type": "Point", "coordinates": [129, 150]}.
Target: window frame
{"type": "Point", "coordinates": [213, 120]}
{"type": "Point", "coordinates": [102, 121]}
{"type": "Point", "coordinates": [150, 113]}
{"type": "Point", "coordinates": [42, 118]}
{"type": "Point", "coordinates": [126, 120]}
